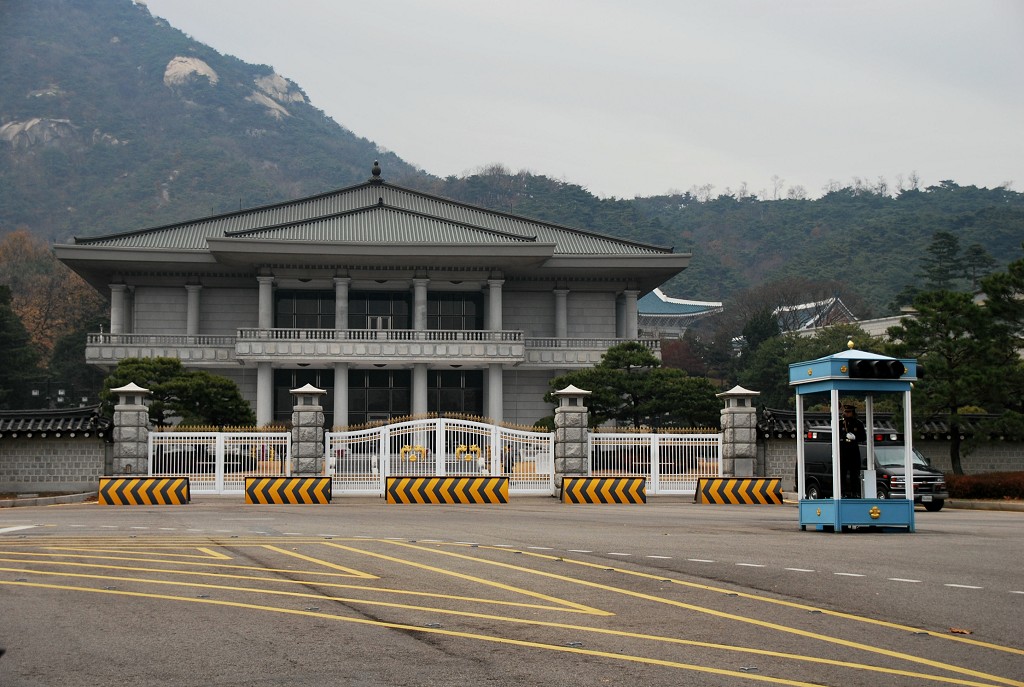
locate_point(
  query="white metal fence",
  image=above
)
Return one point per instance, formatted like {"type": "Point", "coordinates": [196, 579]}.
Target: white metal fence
{"type": "Point", "coordinates": [672, 463]}
{"type": "Point", "coordinates": [361, 460]}
{"type": "Point", "coordinates": [219, 462]}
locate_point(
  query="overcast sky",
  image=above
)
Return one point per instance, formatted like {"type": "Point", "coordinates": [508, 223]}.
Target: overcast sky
{"type": "Point", "coordinates": [639, 97]}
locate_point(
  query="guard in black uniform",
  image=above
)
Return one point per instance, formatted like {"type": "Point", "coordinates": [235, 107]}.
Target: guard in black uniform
{"type": "Point", "coordinates": [851, 435]}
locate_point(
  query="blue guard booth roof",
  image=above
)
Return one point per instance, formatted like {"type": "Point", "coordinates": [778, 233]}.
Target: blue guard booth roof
{"type": "Point", "coordinates": [833, 372]}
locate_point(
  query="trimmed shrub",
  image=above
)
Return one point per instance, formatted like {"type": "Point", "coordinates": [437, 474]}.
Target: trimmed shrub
{"type": "Point", "coordinates": [992, 485]}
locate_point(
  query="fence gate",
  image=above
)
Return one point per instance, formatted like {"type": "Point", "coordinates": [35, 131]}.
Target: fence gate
{"type": "Point", "coordinates": [219, 462]}
{"type": "Point", "coordinates": [672, 463]}
{"type": "Point", "coordinates": [362, 460]}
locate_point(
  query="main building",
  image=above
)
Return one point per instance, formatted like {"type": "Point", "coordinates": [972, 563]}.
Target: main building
{"type": "Point", "coordinates": [394, 301]}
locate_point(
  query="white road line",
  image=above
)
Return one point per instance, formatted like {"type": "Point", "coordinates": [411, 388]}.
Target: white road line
{"type": "Point", "coordinates": [665, 558]}
{"type": "Point", "coordinates": [700, 560]}
{"type": "Point", "coordinates": [849, 574]}
{"type": "Point", "coordinates": [579, 551]}
{"type": "Point", "coordinates": [616, 553]}
{"type": "Point", "coordinates": [901, 579]}
{"type": "Point", "coordinates": [799, 569]}
{"type": "Point", "coordinates": [539, 548]}
{"type": "Point", "coordinates": [963, 586]}
{"type": "Point", "coordinates": [16, 528]}
{"type": "Point", "coordinates": [1012, 591]}
{"type": "Point", "coordinates": [750, 565]}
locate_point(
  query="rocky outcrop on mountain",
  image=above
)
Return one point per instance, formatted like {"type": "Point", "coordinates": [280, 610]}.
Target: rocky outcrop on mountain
{"type": "Point", "coordinates": [37, 131]}
{"type": "Point", "coordinates": [183, 70]}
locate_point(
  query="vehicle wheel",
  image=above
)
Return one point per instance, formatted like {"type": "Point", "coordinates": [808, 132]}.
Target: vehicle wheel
{"type": "Point", "coordinates": [934, 506]}
{"type": "Point", "coordinates": [813, 492]}
{"type": "Point", "coordinates": [883, 493]}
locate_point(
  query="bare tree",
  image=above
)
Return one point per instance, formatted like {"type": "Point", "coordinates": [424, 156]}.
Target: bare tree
{"type": "Point", "coordinates": [832, 186]}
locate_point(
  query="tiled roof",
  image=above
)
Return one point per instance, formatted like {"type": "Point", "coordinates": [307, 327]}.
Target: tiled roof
{"type": "Point", "coordinates": [407, 220]}
{"type": "Point", "coordinates": [781, 424]}
{"type": "Point", "coordinates": [657, 303]}
{"type": "Point", "coordinates": [382, 224]}
{"type": "Point", "coordinates": [47, 423]}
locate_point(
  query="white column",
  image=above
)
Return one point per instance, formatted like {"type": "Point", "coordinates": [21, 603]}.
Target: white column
{"type": "Point", "coordinates": [192, 311]}
{"type": "Point", "coordinates": [264, 394]}
{"type": "Point", "coordinates": [341, 316]}
{"type": "Point", "coordinates": [341, 394]}
{"type": "Point", "coordinates": [495, 393]}
{"type": "Point", "coordinates": [419, 389]}
{"type": "Point", "coordinates": [630, 322]}
{"type": "Point", "coordinates": [419, 304]}
{"type": "Point", "coordinates": [266, 302]}
{"type": "Point", "coordinates": [561, 313]}
{"type": "Point", "coordinates": [494, 304]}
{"type": "Point", "coordinates": [837, 475]}
{"type": "Point", "coordinates": [117, 292]}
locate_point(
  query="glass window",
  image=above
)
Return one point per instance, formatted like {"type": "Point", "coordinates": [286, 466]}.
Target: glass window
{"type": "Point", "coordinates": [304, 309]}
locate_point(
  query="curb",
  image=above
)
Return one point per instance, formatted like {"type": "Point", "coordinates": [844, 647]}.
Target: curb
{"type": "Point", "coordinates": [47, 500]}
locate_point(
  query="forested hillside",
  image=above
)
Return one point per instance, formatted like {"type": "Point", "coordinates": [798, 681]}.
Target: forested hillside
{"type": "Point", "coordinates": [111, 120]}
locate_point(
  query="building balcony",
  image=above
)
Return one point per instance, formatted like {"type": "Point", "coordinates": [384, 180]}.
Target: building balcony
{"type": "Point", "coordinates": [396, 346]}
{"type": "Point", "coordinates": [388, 346]}
{"type": "Point", "coordinates": [575, 352]}
{"type": "Point", "coordinates": [107, 350]}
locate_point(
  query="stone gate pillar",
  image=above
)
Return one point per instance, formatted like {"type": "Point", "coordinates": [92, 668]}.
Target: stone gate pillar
{"type": "Point", "coordinates": [131, 431]}
{"type": "Point", "coordinates": [739, 432]}
{"type": "Point", "coordinates": [571, 434]}
{"type": "Point", "coordinates": [307, 431]}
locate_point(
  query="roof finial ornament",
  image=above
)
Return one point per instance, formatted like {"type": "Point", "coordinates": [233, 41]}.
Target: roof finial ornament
{"type": "Point", "coordinates": [849, 344]}
{"type": "Point", "coordinates": [376, 172]}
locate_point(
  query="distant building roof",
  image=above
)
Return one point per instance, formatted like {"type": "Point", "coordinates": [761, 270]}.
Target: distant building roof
{"type": "Point", "coordinates": [657, 303]}
{"type": "Point", "coordinates": [658, 314]}
{"type": "Point", "coordinates": [813, 315]}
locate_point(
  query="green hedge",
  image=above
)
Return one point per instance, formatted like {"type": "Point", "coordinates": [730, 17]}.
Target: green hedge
{"type": "Point", "coordinates": [993, 485]}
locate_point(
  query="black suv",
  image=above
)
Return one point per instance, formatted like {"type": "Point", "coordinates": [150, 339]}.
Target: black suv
{"type": "Point", "coordinates": [929, 483]}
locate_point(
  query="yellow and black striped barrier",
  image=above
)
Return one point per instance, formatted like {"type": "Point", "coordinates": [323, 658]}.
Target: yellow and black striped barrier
{"type": "Point", "coordinates": [604, 490]}
{"type": "Point", "coordinates": [144, 491]}
{"type": "Point", "coordinates": [447, 490]}
{"type": "Point", "coordinates": [288, 490]}
{"type": "Point", "coordinates": [739, 490]}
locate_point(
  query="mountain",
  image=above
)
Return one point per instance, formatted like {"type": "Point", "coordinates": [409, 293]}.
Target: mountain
{"type": "Point", "coordinates": [112, 120]}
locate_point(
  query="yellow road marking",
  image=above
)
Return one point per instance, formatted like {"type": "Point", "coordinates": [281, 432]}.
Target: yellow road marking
{"type": "Point", "coordinates": [471, 578]}
{"type": "Point", "coordinates": [209, 553]}
{"type": "Point", "coordinates": [278, 580]}
{"type": "Point", "coordinates": [524, 621]}
{"type": "Point", "coordinates": [309, 559]}
{"type": "Point", "coordinates": [627, 592]}
{"type": "Point", "coordinates": [723, 614]}
{"type": "Point", "coordinates": [790, 604]}
{"type": "Point", "coordinates": [463, 635]}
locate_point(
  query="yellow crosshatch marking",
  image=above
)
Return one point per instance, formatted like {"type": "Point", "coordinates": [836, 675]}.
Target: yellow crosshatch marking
{"type": "Point", "coordinates": [255, 573]}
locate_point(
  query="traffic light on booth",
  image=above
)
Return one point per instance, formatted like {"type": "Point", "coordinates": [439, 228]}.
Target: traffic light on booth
{"type": "Point", "coordinates": [876, 369]}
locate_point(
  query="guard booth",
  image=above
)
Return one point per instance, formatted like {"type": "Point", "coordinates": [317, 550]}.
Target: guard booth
{"type": "Point", "coordinates": [855, 372]}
